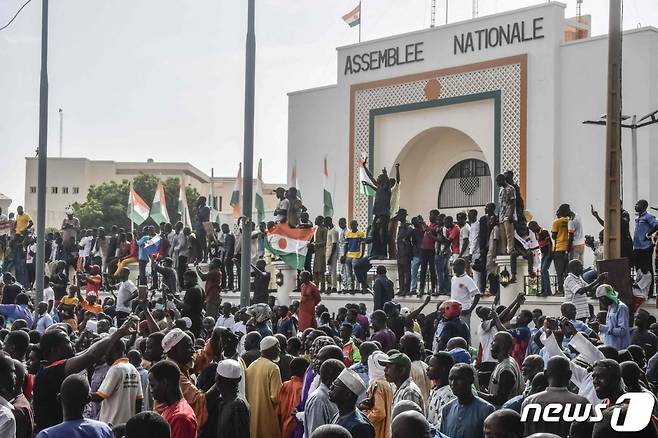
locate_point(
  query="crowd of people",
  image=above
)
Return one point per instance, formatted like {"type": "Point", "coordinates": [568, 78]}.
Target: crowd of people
{"type": "Point", "coordinates": [170, 356]}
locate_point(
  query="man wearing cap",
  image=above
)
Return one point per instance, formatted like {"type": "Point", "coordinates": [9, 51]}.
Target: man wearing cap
{"type": "Point", "coordinates": [319, 408]}
{"type": "Point", "coordinates": [347, 387]}
{"type": "Point", "coordinates": [263, 380]}
{"type": "Point", "coordinates": [398, 370]}
{"type": "Point", "coordinates": [179, 348]}
{"type": "Point", "coordinates": [70, 226]}
{"type": "Point", "coordinates": [228, 411]}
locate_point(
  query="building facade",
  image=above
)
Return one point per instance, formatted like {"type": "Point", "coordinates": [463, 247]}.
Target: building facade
{"type": "Point", "coordinates": [69, 180]}
{"type": "Point", "coordinates": [457, 104]}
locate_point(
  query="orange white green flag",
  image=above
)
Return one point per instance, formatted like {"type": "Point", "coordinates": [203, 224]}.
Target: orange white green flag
{"type": "Point", "coordinates": [353, 17]}
{"type": "Point", "coordinates": [235, 196]}
{"type": "Point", "coordinates": [326, 193]}
{"type": "Point", "coordinates": [183, 209]}
{"type": "Point", "coordinates": [290, 244]}
{"type": "Point", "coordinates": [138, 211]}
{"type": "Point", "coordinates": [258, 199]}
{"type": "Point", "coordinates": [159, 207]}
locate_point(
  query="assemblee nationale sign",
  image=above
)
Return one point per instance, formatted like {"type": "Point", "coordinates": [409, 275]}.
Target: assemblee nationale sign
{"type": "Point", "coordinates": [495, 36]}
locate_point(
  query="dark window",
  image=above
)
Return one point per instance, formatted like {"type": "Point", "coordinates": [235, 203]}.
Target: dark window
{"type": "Point", "coordinates": [467, 184]}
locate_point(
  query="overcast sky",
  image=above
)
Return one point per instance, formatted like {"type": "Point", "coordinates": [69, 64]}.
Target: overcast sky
{"type": "Point", "coordinates": [163, 79]}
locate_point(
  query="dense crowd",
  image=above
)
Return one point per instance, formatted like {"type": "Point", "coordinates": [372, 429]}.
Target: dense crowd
{"type": "Point", "coordinates": [169, 355]}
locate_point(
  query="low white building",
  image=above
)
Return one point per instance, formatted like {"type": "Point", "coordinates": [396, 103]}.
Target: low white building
{"type": "Point", "coordinates": [69, 179]}
{"type": "Point", "coordinates": [457, 104]}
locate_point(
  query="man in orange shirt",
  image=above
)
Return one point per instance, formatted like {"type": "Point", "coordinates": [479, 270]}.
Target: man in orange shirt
{"type": "Point", "coordinates": [290, 396]}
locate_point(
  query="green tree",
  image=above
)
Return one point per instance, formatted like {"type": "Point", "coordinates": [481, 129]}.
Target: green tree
{"type": "Point", "coordinates": [107, 203]}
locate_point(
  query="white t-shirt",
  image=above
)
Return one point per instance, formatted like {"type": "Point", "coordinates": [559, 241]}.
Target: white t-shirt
{"type": "Point", "coordinates": [120, 389]}
{"type": "Point", "coordinates": [48, 294]}
{"type": "Point", "coordinates": [486, 332]}
{"type": "Point", "coordinates": [464, 233]}
{"type": "Point", "coordinates": [332, 237]}
{"type": "Point", "coordinates": [225, 321]}
{"type": "Point", "coordinates": [85, 246]}
{"type": "Point", "coordinates": [576, 227]}
{"type": "Point", "coordinates": [126, 289]}
{"type": "Point", "coordinates": [473, 244]}
{"type": "Point", "coordinates": [463, 289]}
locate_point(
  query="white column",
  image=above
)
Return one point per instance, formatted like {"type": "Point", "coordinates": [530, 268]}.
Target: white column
{"type": "Point", "coordinates": [509, 292]}
{"type": "Point", "coordinates": [289, 282]}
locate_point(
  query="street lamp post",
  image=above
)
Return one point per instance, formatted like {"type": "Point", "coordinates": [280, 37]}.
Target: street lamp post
{"type": "Point", "coordinates": [248, 157]}
{"type": "Point", "coordinates": [43, 155]}
{"type": "Point", "coordinates": [634, 125]}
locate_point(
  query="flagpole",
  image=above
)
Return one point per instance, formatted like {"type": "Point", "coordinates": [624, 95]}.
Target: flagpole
{"type": "Point", "coordinates": [360, 19]}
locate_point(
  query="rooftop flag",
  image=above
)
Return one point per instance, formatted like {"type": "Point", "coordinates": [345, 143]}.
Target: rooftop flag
{"type": "Point", "coordinates": [353, 18]}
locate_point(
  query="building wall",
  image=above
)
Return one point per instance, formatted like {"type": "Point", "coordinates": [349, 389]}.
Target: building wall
{"type": "Point", "coordinates": [580, 173]}
{"type": "Point", "coordinates": [566, 84]}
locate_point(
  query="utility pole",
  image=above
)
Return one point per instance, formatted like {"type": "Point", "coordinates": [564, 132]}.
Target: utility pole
{"type": "Point", "coordinates": [43, 155]}
{"type": "Point", "coordinates": [612, 233]}
{"type": "Point", "coordinates": [61, 131]}
{"type": "Point", "coordinates": [248, 157]}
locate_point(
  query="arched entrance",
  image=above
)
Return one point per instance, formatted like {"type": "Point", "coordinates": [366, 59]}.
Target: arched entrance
{"type": "Point", "coordinates": [430, 160]}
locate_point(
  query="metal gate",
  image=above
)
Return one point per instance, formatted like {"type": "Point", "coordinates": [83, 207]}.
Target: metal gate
{"type": "Point", "coordinates": [467, 184]}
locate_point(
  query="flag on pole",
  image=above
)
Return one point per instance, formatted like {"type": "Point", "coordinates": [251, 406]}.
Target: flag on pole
{"type": "Point", "coordinates": [367, 186]}
{"type": "Point", "coordinates": [138, 211]}
{"type": "Point", "coordinates": [353, 18]}
{"type": "Point", "coordinates": [235, 196]}
{"type": "Point", "coordinates": [295, 181]}
{"type": "Point", "coordinates": [183, 210]}
{"type": "Point", "coordinates": [328, 202]}
{"type": "Point", "coordinates": [291, 244]}
{"type": "Point", "coordinates": [260, 205]}
{"type": "Point", "coordinates": [159, 207]}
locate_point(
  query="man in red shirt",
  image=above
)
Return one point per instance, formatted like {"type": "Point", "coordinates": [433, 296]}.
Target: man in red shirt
{"type": "Point", "coordinates": [164, 379]}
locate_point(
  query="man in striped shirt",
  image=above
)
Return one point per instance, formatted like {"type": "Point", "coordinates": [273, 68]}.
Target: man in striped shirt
{"type": "Point", "coordinates": [576, 289]}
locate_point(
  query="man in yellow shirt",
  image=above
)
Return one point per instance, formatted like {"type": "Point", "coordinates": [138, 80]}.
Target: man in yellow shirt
{"type": "Point", "coordinates": [560, 234]}
{"type": "Point", "coordinates": [354, 243]}
{"type": "Point", "coordinates": [23, 221]}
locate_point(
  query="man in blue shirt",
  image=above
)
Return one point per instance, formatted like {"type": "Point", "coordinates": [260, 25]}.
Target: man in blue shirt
{"type": "Point", "coordinates": [645, 225]}
{"type": "Point", "coordinates": [464, 417]}
{"type": "Point", "coordinates": [142, 253]}
{"type": "Point", "coordinates": [74, 395]}
{"type": "Point", "coordinates": [19, 310]}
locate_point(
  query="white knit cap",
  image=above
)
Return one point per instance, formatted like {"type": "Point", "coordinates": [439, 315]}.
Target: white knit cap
{"type": "Point", "coordinates": [268, 342]}
{"type": "Point", "coordinates": [171, 339]}
{"type": "Point", "coordinates": [230, 369]}
{"type": "Point", "coordinates": [352, 381]}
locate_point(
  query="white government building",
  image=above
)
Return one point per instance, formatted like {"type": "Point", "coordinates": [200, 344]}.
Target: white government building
{"type": "Point", "coordinates": [457, 104]}
{"type": "Point", "coordinates": [69, 179]}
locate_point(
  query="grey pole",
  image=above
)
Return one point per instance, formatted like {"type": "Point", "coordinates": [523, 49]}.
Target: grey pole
{"type": "Point", "coordinates": [248, 160]}
{"type": "Point", "coordinates": [634, 157]}
{"type": "Point", "coordinates": [43, 155]}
